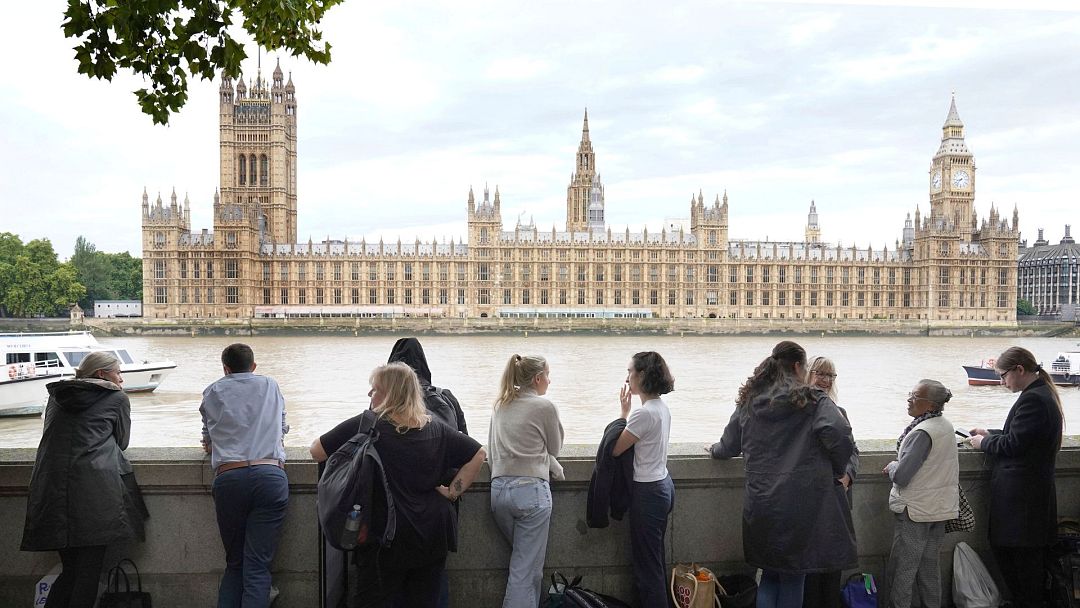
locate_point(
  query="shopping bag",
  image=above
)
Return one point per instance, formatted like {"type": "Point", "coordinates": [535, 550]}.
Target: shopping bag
{"type": "Point", "coordinates": [736, 591]}
{"type": "Point", "coordinates": [41, 590]}
{"type": "Point", "coordinates": [128, 598]}
{"type": "Point", "coordinates": [693, 587]}
{"type": "Point", "coordinates": [972, 585]}
{"type": "Point", "coordinates": [860, 591]}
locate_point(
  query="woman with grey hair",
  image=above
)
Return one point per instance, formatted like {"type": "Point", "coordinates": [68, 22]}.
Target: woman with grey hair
{"type": "Point", "coordinates": [78, 502]}
{"type": "Point", "coordinates": [924, 497]}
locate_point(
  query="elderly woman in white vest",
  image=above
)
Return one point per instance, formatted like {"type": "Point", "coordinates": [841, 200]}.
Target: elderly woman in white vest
{"type": "Point", "coordinates": [924, 496]}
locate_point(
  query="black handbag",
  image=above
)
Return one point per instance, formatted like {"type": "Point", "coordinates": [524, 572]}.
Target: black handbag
{"type": "Point", "coordinates": [737, 591]}
{"type": "Point", "coordinates": [114, 598]}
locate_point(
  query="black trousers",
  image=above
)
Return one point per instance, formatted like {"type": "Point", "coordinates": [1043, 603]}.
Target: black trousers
{"type": "Point", "coordinates": [822, 590]}
{"type": "Point", "coordinates": [1024, 572]}
{"type": "Point", "coordinates": [77, 585]}
{"type": "Point", "coordinates": [406, 574]}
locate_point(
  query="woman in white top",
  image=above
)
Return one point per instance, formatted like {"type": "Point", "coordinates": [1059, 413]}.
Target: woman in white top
{"type": "Point", "coordinates": [523, 441]}
{"type": "Point", "coordinates": [653, 494]}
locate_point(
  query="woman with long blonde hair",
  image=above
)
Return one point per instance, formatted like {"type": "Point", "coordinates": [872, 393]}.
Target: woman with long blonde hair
{"type": "Point", "coordinates": [822, 589]}
{"type": "Point", "coordinates": [524, 438]}
{"type": "Point", "coordinates": [1023, 495]}
{"type": "Point", "coordinates": [415, 453]}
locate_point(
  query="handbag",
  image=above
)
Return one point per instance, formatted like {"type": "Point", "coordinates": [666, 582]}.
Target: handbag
{"type": "Point", "coordinates": [114, 598]}
{"type": "Point", "coordinates": [859, 591]}
{"type": "Point", "coordinates": [693, 587]}
{"type": "Point", "coordinates": [965, 520]}
{"type": "Point", "coordinates": [736, 591]}
{"type": "Point", "coordinates": [570, 594]}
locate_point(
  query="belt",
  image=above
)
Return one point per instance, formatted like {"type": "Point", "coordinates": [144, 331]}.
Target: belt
{"type": "Point", "coordinates": [228, 466]}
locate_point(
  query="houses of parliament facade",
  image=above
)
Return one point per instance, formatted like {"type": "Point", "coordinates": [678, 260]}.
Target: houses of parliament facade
{"type": "Point", "coordinates": [948, 267]}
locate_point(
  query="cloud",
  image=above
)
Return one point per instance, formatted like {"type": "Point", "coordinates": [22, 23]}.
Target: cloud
{"type": "Point", "coordinates": [517, 68]}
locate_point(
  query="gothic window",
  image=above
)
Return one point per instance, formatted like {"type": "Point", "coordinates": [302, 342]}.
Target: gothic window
{"type": "Point", "coordinates": [320, 296]}
{"type": "Point", "coordinates": [525, 299]}
{"type": "Point", "coordinates": [562, 296]}
{"type": "Point", "coordinates": [232, 270]}
{"type": "Point", "coordinates": [232, 295]}
{"type": "Point", "coordinates": [337, 295]}
{"type": "Point", "coordinates": [159, 269]}
{"type": "Point", "coordinates": [599, 297]}
{"type": "Point", "coordinates": [266, 295]}
{"type": "Point", "coordinates": [283, 271]}
{"type": "Point", "coordinates": [266, 272]}
{"type": "Point", "coordinates": [301, 296]}
{"type": "Point", "coordinates": [618, 297]}
{"type": "Point", "coordinates": [354, 296]}
{"type": "Point", "coordinates": [373, 295]}
{"type": "Point", "coordinates": [337, 271]}
{"type": "Point", "coordinates": [264, 170]}
{"type": "Point", "coordinates": [241, 167]}
{"type": "Point", "coordinates": [284, 295]}
{"type": "Point", "coordinates": [251, 169]}
{"type": "Point", "coordinates": [161, 295]}
{"type": "Point", "coordinates": [210, 270]}
{"type": "Point", "coordinates": [425, 296]}
{"type": "Point", "coordinates": [654, 297]}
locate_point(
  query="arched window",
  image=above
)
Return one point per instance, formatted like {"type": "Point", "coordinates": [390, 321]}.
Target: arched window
{"type": "Point", "coordinates": [242, 169]}
{"type": "Point", "coordinates": [252, 168]}
{"type": "Point", "coordinates": [264, 170]}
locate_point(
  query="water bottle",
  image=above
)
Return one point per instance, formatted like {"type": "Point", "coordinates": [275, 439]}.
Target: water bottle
{"type": "Point", "coordinates": [352, 529]}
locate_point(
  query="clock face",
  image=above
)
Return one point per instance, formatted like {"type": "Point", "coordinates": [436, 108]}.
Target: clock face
{"type": "Point", "coordinates": [961, 179]}
{"type": "Point", "coordinates": [936, 180]}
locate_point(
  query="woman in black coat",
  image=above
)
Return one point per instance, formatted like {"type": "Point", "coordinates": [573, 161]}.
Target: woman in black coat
{"type": "Point", "coordinates": [796, 446]}
{"type": "Point", "coordinates": [1023, 498]}
{"type": "Point", "coordinates": [78, 501]}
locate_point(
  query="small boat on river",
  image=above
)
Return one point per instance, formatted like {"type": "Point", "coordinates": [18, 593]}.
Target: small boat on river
{"type": "Point", "coordinates": [1065, 369]}
{"type": "Point", "coordinates": [983, 374]}
{"type": "Point", "coordinates": [60, 353]}
{"type": "Point", "coordinates": [22, 389]}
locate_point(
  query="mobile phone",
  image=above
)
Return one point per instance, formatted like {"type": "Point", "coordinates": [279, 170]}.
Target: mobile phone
{"type": "Point", "coordinates": [961, 433]}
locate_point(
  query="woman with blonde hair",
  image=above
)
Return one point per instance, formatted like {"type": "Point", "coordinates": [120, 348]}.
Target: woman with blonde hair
{"type": "Point", "coordinates": [1023, 495]}
{"type": "Point", "coordinates": [524, 440]}
{"type": "Point", "coordinates": [415, 453]}
{"type": "Point", "coordinates": [822, 589]}
{"type": "Point", "coordinates": [79, 502]}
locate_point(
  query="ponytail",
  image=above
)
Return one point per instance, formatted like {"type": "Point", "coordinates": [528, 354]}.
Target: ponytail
{"type": "Point", "coordinates": [777, 368]}
{"type": "Point", "coordinates": [519, 373]}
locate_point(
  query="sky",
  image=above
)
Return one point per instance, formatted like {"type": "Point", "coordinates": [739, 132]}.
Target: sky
{"type": "Point", "coordinates": [775, 103]}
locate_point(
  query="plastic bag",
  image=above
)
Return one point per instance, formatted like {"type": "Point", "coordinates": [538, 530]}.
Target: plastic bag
{"type": "Point", "coordinates": [972, 585]}
{"type": "Point", "coordinates": [41, 590]}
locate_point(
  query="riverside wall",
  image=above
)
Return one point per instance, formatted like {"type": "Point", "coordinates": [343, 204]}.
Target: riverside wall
{"type": "Point", "coordinates": [182, 559]}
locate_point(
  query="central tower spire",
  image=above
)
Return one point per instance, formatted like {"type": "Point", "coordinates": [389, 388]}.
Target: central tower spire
{"type": "Point", "coordinates": [585, 194]}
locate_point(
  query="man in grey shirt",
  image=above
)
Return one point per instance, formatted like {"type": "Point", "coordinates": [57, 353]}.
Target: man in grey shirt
{"type": "Point", "coordinates": [243, 423]}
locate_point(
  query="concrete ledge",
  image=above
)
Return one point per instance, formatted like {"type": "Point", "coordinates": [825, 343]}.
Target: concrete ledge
{"type": "Point", "coordinates": [182, 559]}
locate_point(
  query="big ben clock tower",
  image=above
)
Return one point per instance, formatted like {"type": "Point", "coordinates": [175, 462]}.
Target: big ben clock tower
{"type": "Point", "coordinates": [952, 179]}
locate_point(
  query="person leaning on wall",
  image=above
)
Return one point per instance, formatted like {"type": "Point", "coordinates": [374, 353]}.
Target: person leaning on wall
{"type": "Point", "coordinates": [524, 440]}
{"type": "Point", "coordinates": [652, 495]}
{"type": "Point", "coordinates": [822, 589]}
{"type": "Point", "coordinates": [795, 445]}
{"type": "Point", "coordinates": [78, 502]}
{"type": "Point", "coordinates": [924, 496]}
{"type": "Point", "coordinates": [1023, 495]}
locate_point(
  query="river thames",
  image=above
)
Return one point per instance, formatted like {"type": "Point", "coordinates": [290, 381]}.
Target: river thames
{"type": "Point", "coordinates": [324, 380]}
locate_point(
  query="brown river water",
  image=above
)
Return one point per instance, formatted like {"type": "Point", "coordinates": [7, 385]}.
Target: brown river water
{"type": "Point", "coordinates": [324, 380]}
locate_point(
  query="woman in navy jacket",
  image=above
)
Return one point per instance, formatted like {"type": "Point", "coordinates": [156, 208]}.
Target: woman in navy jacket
{"type": "Point", "coordinates": [1023, 498]}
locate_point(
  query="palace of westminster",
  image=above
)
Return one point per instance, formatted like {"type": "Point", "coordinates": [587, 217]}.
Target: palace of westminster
{"type": "Point", "coordinates": [948, 267]}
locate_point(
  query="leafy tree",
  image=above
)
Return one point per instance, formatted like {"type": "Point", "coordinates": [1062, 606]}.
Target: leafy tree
{"type": "Point", "coordinates": [165, 41]}
{"type": "Point", "coordinates": [107, 276]}
{"type": "Point", "coordinates": [1023, 307]}
{"type": "Point", "coordinates": [32, 281]}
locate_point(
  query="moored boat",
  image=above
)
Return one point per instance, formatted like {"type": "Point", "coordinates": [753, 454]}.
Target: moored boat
{"type": "Point", "coordinates": [61, 352]}
{"type": "Point", "coordinates": [22, 389]}
{"type": "Point", "coordinates": [1065, 369]}
{"type": "Point", "coordinates": [982, 374]}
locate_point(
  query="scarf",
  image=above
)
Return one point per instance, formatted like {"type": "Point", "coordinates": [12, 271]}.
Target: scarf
{"type": "Point", "coordinates": [915, 423]}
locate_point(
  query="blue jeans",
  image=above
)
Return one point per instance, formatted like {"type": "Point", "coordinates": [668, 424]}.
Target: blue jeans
{"type": "Point", "coordinates": [649, 508]}
{"type": "Point", "coordinates": [522, 510]}
{"type": "Point", "coordinates": [250, 503]}
{"type": "Point", "coordinates": [780, 590]}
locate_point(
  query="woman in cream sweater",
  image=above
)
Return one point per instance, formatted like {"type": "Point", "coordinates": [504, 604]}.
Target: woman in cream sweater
{"type": "Point", "coordinates": [523, 441]}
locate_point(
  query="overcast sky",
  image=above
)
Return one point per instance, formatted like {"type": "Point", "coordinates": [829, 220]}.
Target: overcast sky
{"type": "Point", "coordinates": [778, 103]}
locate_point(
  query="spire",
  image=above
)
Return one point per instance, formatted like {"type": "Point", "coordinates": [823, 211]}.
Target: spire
{"type": "Point", "coordinates": [496, 196]}
{"type": "Point", "coordinates": [145, 197]}
{"type": "Point", "coordinates": [953, 119]}
{"type": "Point", "coordinates": [585, 127]}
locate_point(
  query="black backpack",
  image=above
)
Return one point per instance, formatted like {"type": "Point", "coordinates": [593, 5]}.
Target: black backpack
{"type": "Point", "coordinates": [354, 475]}
{"type": "Point", "coordinates": [440, 403]}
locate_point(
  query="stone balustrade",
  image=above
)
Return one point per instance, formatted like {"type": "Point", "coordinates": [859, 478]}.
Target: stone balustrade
{"type": "Point", "coordinates": [182, 559]}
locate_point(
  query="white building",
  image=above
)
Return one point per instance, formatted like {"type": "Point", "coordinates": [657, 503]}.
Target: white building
{"type": "Point", "coordinates": [117, 308]}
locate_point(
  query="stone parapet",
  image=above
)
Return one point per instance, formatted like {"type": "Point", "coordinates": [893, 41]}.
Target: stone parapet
{"type": "Point", "coordinates": [182, 559]}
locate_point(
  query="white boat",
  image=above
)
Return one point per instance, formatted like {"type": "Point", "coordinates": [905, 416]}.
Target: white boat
{"type": "Point", "coordinates": [1065, 369]}
{"type": "Point", "coordinates": [61, 352]}
{"type": "Point", "coordinates": [22, 389]}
